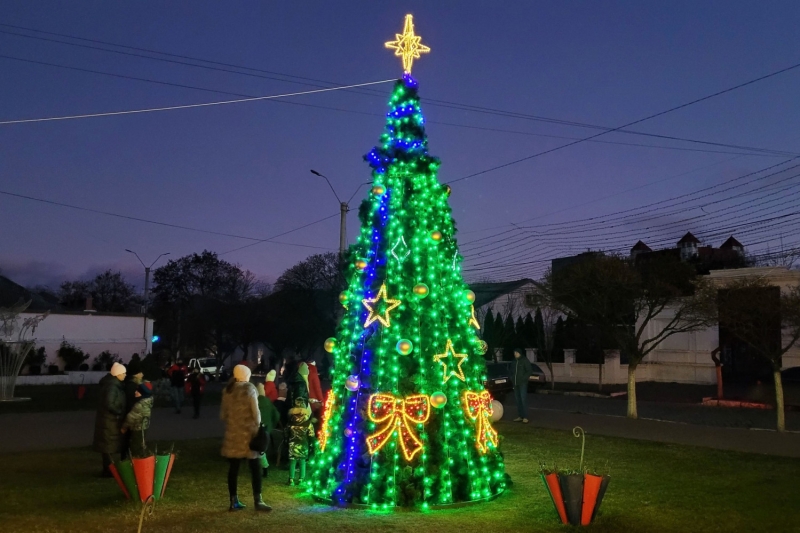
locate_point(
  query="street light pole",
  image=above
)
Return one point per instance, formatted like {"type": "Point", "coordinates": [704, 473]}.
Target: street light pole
{"type": "Point", "coordinates": [344, 207]}
{"type": "Point", "coordinates": [146, 290]}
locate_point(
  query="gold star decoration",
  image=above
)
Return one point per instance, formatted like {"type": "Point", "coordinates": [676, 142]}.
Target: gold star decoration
{"type": "Point", "coordinates": [473, 320]}
{"type": "Point", "coordinates": [448, 352]}
{"type": "Point", "coordinates": [383, 317]}
{"type": "Point", "coordinates": [407, 45]}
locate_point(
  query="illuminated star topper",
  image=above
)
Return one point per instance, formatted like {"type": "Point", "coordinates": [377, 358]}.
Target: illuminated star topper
{"type": "Point", "coordinates": [407, 45]}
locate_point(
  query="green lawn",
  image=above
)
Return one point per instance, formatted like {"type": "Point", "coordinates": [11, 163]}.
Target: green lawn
{"type": "Point", "coordinates": [655, 487]}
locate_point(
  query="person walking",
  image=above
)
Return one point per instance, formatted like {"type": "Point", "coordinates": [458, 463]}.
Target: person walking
{"type": "Point", "coordinates": [242, 418]}
{"type": "Point", "coordinates": [197, 387]}
{"type": "Point", "coordinates": [138, 420]}
{"type": "Point", "coordinates": [107, 437]}
{"type": "Point", "coordinates": [300, 432]}
{"type": "Point", "coordinates": [522, 374]}
{"type": "Point", "coordinates": [177, 381]}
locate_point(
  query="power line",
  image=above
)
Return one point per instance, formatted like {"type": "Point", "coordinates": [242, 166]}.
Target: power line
{"type": "Point", "coordinates": [170, 225]}
{"type": "Point", "coordinates": [307, 80]}
{"type": "Point", "coordinates": [649, 207]}
{"type": "Point", "coordinates": [189, 106]}
{"type": "Point", "coordinates": [629, 124]}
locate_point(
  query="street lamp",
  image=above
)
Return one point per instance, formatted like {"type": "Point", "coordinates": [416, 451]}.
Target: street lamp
{"type": "Point", "coordinates": [146, 288]}
{"type": "Point", "coordinates": [344, 207]}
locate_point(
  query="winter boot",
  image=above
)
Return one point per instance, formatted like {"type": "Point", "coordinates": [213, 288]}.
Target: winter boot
{"type": "Point", "coordinates": [236, 505]}
{"type": "Point", "coordinates": [260, 505]}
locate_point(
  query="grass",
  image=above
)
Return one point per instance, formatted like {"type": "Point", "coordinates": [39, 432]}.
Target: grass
{"type": "Point", "coordinates": [655, 488]}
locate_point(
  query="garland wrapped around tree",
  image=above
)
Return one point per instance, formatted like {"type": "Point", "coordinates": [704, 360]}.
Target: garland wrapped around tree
{"type": "Point", "coordinates": [407, 421]}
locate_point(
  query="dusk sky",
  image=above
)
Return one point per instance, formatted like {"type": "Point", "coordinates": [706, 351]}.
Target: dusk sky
{"type": "Point", "coordinates": [243, 169]}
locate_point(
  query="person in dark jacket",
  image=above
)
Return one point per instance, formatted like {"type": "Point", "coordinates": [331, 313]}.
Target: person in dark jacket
{"type": "Point", "coordinates": [138, 420]}
{"type": "Point", "coordinates": [239, 411]}
{"type": "Point", "coordinates": [522, 373]}
{"type": "Point", "coordinates": [133, 379]}
{"type": "Point", "coordinates": [110, 412]}
{"type": "Point", "coordinates": [296, 381]}
{"type": "Point", "coordinates": [197, 387]}
{"type": "Point", "coordinates": [177, 381]}
{"type": "Point", "coordinates": [270, 418]}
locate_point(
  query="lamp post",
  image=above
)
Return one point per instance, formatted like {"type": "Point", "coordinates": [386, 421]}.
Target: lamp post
{"type": "Point", "coordinates": [344, 207]}
{"type": "Point", "coordinates": [146, 289]}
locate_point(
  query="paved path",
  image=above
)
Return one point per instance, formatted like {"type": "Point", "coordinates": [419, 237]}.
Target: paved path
{"type": "Point", "coordinates": [72, 429]}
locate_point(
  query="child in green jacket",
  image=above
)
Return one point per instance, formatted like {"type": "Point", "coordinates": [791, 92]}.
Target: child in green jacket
{"type": "Point", "coordinates": [138, 419]}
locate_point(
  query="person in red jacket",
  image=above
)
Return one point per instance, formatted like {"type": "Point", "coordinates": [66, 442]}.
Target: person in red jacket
{"type": "Point", "coordinates": [270, 391]}
{"type": "Point", "coordinates": [315, 389]}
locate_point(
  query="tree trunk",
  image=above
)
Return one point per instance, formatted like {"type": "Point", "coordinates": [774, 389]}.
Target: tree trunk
{"type": "Point", "coordinates": [552, 376]}
{"type": "Point", "coordinates": [632, 411]}
{"type": "Point", "coordinates": [779, 400]}
{"type": "Point", "coordinates": [719, 382]}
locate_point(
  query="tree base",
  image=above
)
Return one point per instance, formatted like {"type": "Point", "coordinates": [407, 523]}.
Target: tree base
{"type": "Point", "coordinates": [437, 507]}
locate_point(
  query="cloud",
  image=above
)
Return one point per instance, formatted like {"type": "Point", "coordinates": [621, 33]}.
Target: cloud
{"type": "Point", "coordinates": [33, 273]}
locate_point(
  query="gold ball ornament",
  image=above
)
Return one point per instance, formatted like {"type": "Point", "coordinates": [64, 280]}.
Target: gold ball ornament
{"type": "Point", "coordinates": [361, 265]}
{"type": "Point", "coordinates": [483, 347]}
{"type": "Point", "coordinates": [404, 347]}
{"type": "Point", "coordinates": [378, 190]}
{"type": "Point", "coordinates": [438, 399]}
{"type": "Point", "coordinates": [330, 344]}
{"type": "Point", "coordinates": [447, 189]}
{"type": "Point", "coordinates": [470, 296]}
{"type": "Point", "coordinates": [352, 384]}
{"type": "Point", "coordinates": [343, 298]}
{"type": "Point", "coordinates": [436, 236]}
{"type": "Point", "coordinates": [421, 290]}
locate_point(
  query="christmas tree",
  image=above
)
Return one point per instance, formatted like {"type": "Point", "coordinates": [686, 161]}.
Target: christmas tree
{"type": "Point", "coordinates": [407, 421]}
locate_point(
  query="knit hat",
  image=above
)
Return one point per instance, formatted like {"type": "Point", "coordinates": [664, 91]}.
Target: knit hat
{"type": "Point", "coordinates": [145, 388]}
{"type": "Point", "coordinates": [241, 373]}
{"type": "Point", "coordinates": [118, 369]}
{"type": "Point", "coordinates": [303, 369]}
{"type": "Point", "coordinates": [271, 375]}
{"type": "Point", "coordinates": [134, 367]}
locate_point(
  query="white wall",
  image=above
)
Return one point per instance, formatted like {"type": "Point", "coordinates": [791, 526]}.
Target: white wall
{"type": "Point", "coordinates": [93, 333]}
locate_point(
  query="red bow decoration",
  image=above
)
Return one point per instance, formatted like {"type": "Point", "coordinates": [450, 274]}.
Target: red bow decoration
{"type": "Point", "coordinates": [397, 416]}
{"type": "Point", "coordinates": [478, 408]}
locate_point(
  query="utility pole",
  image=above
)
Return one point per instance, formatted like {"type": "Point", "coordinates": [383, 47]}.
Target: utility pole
{"type": "Point", "coordinates": [344, 207]}
{"type": "Point", "coordinates": [146, 291]}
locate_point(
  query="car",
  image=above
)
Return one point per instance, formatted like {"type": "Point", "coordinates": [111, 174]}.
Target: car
{"type": "Point", "coordinates": [498, 379]}
{"type": "Point", "coordinates": [537, 378]}
{"type": "Point", "coordinates": [207, 366]}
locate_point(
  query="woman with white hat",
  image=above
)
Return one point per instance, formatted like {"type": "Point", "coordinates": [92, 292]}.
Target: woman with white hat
{"type": "Point", "coordinates": [240, 413]}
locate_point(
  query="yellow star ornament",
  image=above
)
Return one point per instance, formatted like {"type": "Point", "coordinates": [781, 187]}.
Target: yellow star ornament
{"type": "Point", "coordinates": [449, 372]}
{"type": "Point", "coordinates": [407, 45]}
{"type": "Point", "coordinates": [370, 304]}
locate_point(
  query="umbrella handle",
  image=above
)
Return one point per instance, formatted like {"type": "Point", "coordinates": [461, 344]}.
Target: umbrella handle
{"type": "Point", "coordinates": [148, 504]}
{"type": "Point", "coordinates": [578, 432]}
